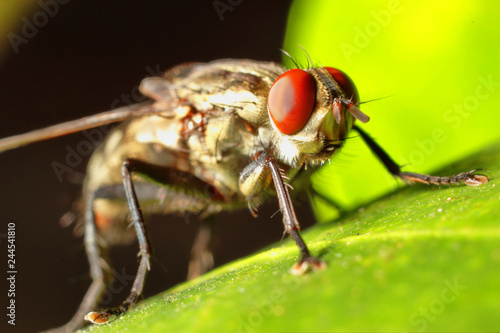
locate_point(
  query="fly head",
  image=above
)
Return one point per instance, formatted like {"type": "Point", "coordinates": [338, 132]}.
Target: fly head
{"type": "Point", "coordinates": [311, 111]}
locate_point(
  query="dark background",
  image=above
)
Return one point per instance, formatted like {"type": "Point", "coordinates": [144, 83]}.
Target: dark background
{"type": "Point", "coordinates": [78, 64]}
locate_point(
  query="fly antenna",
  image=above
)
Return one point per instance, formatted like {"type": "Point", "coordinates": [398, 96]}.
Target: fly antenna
{"type": "Point", "coordinates": [355, 111]}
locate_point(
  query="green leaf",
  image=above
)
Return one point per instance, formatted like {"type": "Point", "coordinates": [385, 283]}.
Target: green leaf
{"type": "Point", "coordinates": [420, 259]}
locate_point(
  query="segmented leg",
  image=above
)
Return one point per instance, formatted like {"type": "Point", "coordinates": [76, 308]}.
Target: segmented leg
{"type": "Point", "coordinates": [202, 259]}
{"type": "Point", "coordinates": [468, 178]}
{"type": "Point", "coordinates": [290, 220]}
{"type": "Point", "coordinates": [145, 251]}
{"type": "Point", "coordinates": [97, 287]}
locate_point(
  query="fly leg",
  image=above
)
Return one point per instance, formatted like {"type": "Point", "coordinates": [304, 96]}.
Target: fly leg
{"type": "Point", "coordinates": [290, 221]}
{"type": "Point", "coordinates": [174, 183]}
{"type": "Point", "coordinates": [253, 179]}
{"type": "Point", "coordinates": [145, 247]}
{"type": "Point", "coordinates": [97, 287]}
{"type": "Point", "coordinates": [469, 178]}
{"type": "Point", "coordinates": [202, 259]}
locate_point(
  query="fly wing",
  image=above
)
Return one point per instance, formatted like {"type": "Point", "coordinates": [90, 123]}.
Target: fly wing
{"type": "Point", "coordinates": [238, 86]}
{"type": "Point", "coordinates": [76, 125]}
{"type": "Point", "coordinates": [158, 89]}
{"type": "Point", "coordinates": [168, 105]}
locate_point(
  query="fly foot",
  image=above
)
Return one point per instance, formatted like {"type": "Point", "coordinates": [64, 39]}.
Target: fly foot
{"type": "Point", "coordinates": [98, 317]}
{"type": "Point", "coordinates": [306, 264]}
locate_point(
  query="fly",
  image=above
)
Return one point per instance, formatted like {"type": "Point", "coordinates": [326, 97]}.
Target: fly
{"type": "Point", "coordinates": [212, 136]}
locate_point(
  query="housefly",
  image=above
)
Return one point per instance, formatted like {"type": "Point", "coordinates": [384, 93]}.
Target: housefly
{"type": "Point", "coordinates": [212, 137]}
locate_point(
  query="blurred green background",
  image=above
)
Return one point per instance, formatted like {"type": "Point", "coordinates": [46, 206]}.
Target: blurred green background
{"type": "Point", "coordinates": [435, 64]}
{"type": "Point", "coordinates": [10, 12]}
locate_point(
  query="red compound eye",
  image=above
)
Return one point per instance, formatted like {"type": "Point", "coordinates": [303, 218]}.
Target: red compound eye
{"type": "Point", "coordinates": [291, 100]}
{"type": "Point", "coordinates": [345, 83]}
